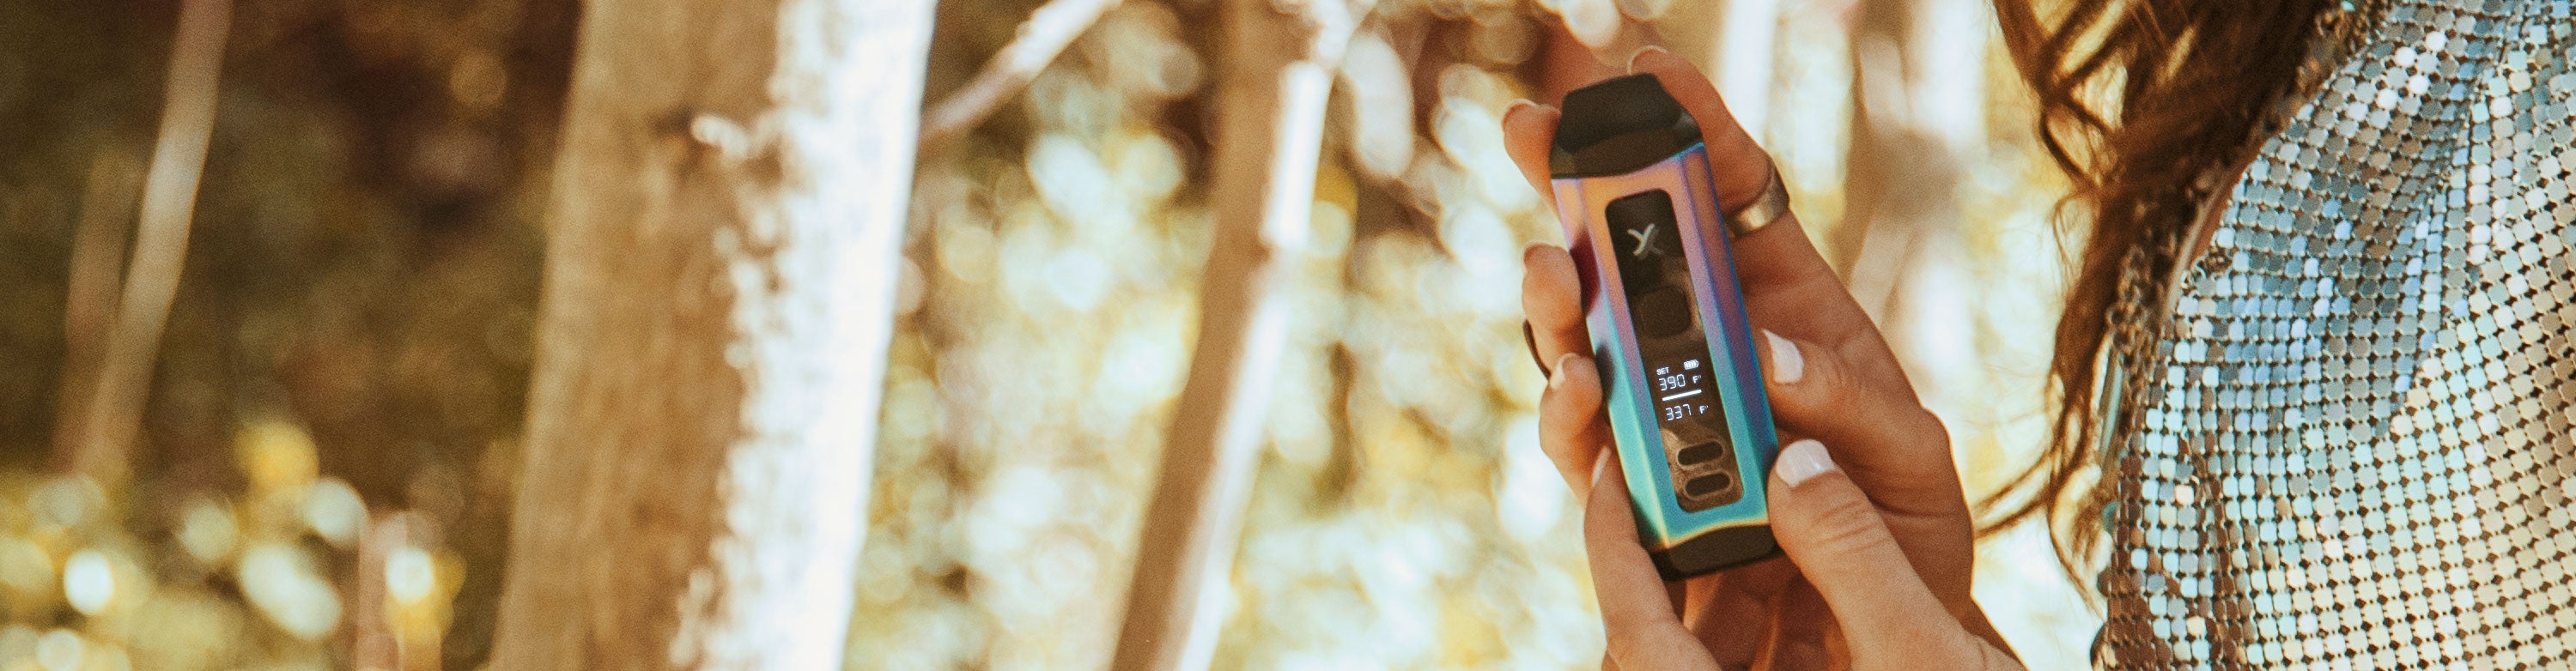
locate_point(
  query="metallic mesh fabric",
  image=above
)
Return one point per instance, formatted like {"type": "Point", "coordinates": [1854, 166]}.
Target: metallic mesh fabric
{"type": "Point", "coordinates": [2345, 437]}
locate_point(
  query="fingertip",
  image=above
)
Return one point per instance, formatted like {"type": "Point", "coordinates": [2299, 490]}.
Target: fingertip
{"type": "Point", "coordinates": [1547, 258]}
{"type": "Point", "coordinates": [1529, 115]}
{"type": "Point", "coordinates": [1579, 376]}
{"type": "Point", "coordinates": [1573, 396]}
{"type": "Point", "coordinates": [1556, 379]}
{"type": "Point", "coordinates": [1637, 611]}
{"type": "Point", "coordinates": [1570, 426]}
{"type": "Point", "coordinates": [1528, 129]}
{"type": "Point", "coordinates": [1787, 363]}
{"type": "Point", "coordinates": [1795, 492]}
{"type": "Point", "coordinates": [1606, 518]}
{"type": "Point", "coordinates": [1531, 254]}
{"type": "Point", "coordinates": [1549, 285]}
{"type": "Point", "coordinates": [1662, 63]}
{"type": "Point", "coordinates": [1802, 461]}
{"type": "Point", "coordinates": [1842, 545]}
{"type": "Point", "coordinates": [1809, 391]}
{"type": "Point", "coordinates": [1642, 52]}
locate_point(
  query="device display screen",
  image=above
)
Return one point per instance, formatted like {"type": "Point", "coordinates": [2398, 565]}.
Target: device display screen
{"type": "Point", "coordinates": [1655, 275]}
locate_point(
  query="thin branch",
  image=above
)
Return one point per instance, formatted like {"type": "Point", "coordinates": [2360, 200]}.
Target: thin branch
{"type": "Point", "coordinates": [1048, 31]}
{"type": "Point", "coordinates": [160, 242]}
{"type": "Point", "coordinates": [1272, 102]}
{"type": "Point", "coordinates": [99, 241]}
{"type": "Point", "coordinates": [374, 642]}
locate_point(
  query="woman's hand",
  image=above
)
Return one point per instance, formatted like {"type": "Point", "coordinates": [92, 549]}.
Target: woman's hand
{"type": "Point", "coordinates": [1877, 612]}
{"type": "Point", "coordinates": [1879, 547]}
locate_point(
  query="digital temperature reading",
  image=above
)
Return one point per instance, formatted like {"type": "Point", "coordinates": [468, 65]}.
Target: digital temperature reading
{"type": "Point", "coordinates": [1657, 280]}
{"type": "Point", "coordinates": [1670, 381]}
{"type": "Point", "coordinates": [1681, 394]}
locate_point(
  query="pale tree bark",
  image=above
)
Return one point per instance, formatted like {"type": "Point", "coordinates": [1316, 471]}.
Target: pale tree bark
{"type": "Point", "coordinates": [1279, 74]}
{"type": "Point", "coordinates": [117, 379]}
{"type": "Point", "coordinates": [1918, 92]}
{"type": "Point", "coordinates": [1747, 45]}
{"type": "Point", "coordinates": [99, 242]}
{"type": "Point", "coordinates": [1048, 31]}
{"type": "Point", "coordinates": [717, 304]}
{"type": "Point", "coordinates": [1918, 119]}
{"type": "Point", "coordinates": [1937, 297]}
{"type": "Point", "coordinates": [376, 640]}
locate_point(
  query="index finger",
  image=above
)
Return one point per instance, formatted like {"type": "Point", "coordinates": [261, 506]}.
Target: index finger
{"type": "Point", "coordinates": [1791, 291]}
{"type": "Point", "coordinates": [1788, 287]}
{"type": "Point", "coordinates": [1551, 294]}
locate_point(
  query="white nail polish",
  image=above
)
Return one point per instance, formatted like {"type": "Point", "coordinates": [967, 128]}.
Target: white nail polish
{"type": "Point", "coordinates": [1788, 366]}
{"type": "Point", "coordinates": [1641, 51]}
{"type": "Point", "coordinates": [1556, 378]}
{"type": "Point", "coordinates": [1802, 460]}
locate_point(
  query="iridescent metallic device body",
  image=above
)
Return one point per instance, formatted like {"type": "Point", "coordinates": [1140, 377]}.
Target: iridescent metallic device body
{"type": "Point", "coordinates": [1680, 380]}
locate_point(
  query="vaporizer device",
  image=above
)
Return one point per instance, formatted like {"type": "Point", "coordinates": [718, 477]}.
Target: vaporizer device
{"type": "Point", "coordinates": [1680, 379]}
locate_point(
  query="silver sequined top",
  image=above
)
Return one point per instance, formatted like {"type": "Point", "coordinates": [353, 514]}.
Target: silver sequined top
{"type": "Point", "coordinates": [2345, 437]}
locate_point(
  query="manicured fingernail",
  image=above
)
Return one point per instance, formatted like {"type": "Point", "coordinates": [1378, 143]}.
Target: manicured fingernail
{"type": "Point", "coordinates": [1600, 464]}
{"type": "Point", "coordinates": [1802, 460]}
{"type": "Point", "coordinates": [1515, 107]}
{"type": "Point", "coordinates": [1641, 52]}
{"type": "Point", "coordinates": [1556, 377]}
{"type": "Point", "coordinates": [1788, 366]}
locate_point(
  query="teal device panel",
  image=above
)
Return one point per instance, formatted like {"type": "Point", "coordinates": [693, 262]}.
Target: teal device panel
{"type": "Point", "coordinates": [1682, 384]}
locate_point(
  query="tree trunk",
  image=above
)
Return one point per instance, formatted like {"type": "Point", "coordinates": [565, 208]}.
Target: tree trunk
{"type": "Point", "coordinates": [1918, 102]}
{"type": "Point", "coordinates": [119, 384]}
{"type": "Point", "coordinates": [717, 303]}
{"type": "Point", "coordinates": [1744, 53]}
{"type": "Point", "coordinates": [1272, 97]}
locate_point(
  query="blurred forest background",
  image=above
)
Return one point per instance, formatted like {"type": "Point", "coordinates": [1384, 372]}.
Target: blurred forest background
{"type": "Point", "coordinates": [329, 439]}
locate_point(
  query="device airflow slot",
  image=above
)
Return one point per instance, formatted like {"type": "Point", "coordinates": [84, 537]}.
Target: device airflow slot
{"type": "Point", "coordinates": [1708, 484]}
{"type": "Point", "coordinates": [1693, 455]}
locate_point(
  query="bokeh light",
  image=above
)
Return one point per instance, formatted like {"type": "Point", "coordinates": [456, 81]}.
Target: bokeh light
{"type": "Point", "coordinates": [324, 473]}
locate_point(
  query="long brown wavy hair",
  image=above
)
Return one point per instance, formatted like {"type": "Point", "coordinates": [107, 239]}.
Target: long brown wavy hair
{"type": "Point", "coordinates": [2137, 99]}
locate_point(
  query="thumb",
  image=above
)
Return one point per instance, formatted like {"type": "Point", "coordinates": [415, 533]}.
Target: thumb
{"type": "Point", "coordinates": [1834, 534]}
{"type": "Point", "coordinates": [1637, 614]}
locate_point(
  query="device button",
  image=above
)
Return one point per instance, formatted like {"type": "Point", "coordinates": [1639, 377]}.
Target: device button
{"type": "Point", "coordinates": [1695, 454]}
{"type": "Point", "coordinates": [1662, 312]}
{"type": "Point", "coordinates": [1708, 484]}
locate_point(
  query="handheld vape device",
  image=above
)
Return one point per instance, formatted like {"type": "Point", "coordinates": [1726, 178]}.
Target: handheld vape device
{"type": "Point", "coordinates": [1680, 379]}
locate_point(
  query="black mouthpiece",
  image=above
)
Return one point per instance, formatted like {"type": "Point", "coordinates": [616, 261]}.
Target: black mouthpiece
{"type": "Point", "coordinates": [1617, 126]}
